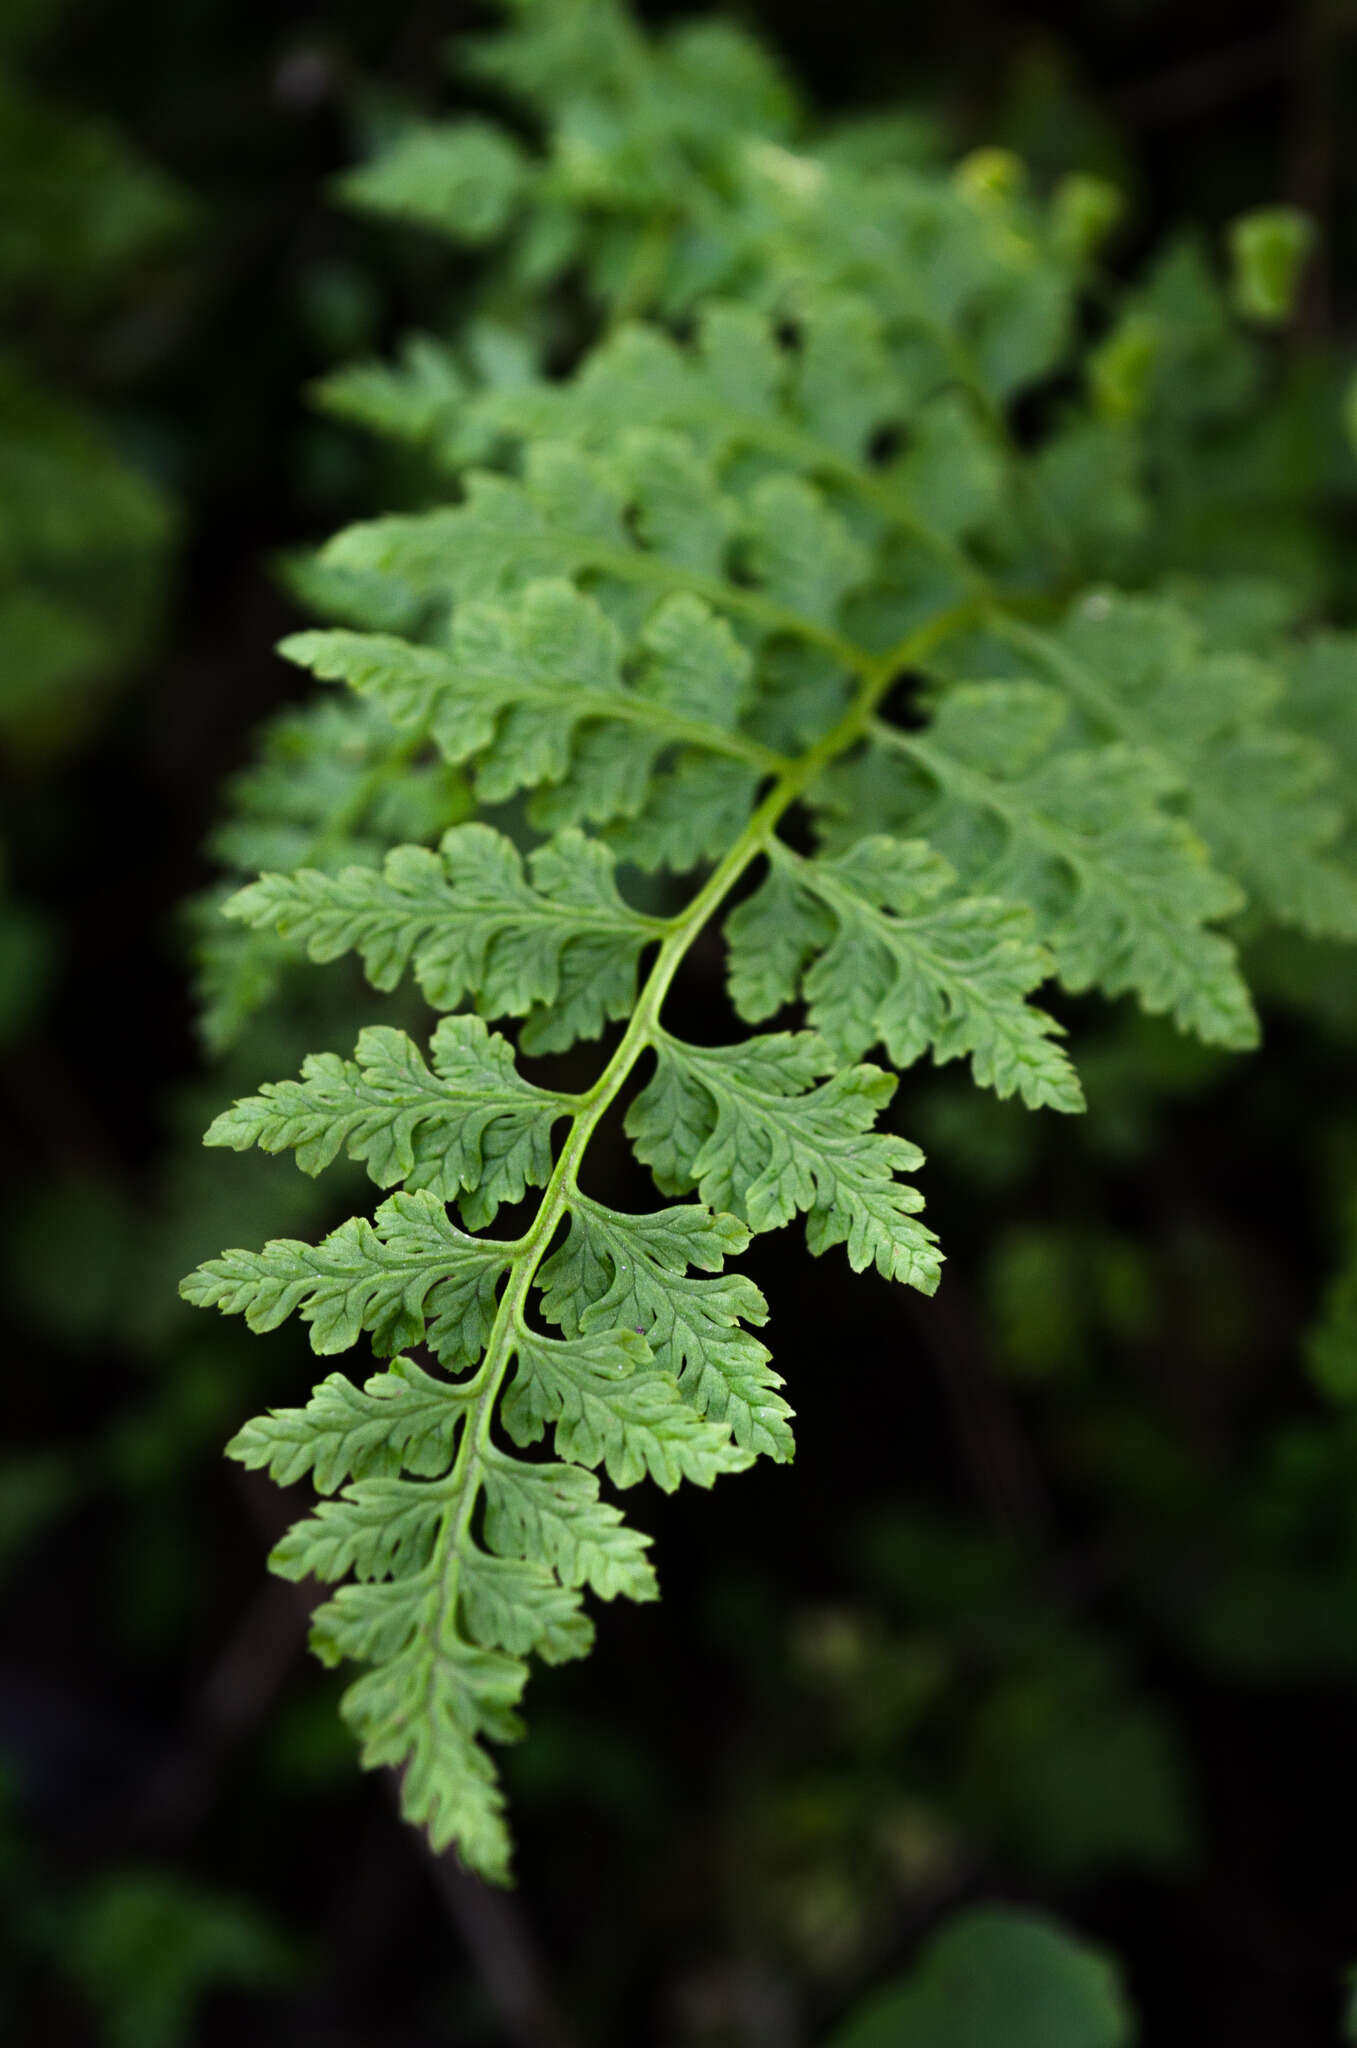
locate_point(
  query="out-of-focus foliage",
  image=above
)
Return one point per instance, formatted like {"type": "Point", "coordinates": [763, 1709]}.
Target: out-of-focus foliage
{"type": "Point", "coordinates": [142, 1948]}
{"type": "Point", "coordinates": [996, 1980]}
{"type": "Point", "coordinates": [145, 1948]}
{"type": "Point", "coordinates": [84, 532]}
{"type": "Point", "coordinates": [650, 163]}
{"type": "Point", "coordinates": [83, 548]}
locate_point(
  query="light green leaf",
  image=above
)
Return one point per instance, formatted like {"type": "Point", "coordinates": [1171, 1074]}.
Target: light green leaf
{"type": "Point", "coordinates": [535, 693]}
{"type": "Point", "coordinates": [693, 813]}
{"type": "Point", "coordinates": [750, 1129]}
{"type": "Point", "coordinates": [1120, 890]}
{"type": "Point", "coordinates": [400, 1420]}
{"type": "Point", "coordinates": [522, 1608]}
{"type": "Point", "coordinates": [1262, 796]}
{"type": "Point", "coordinates": [1269, 249]}
{"type": "Point", "coordinates": [377, 1529]}
{"type": "Point", "coordinates": [611, 1408]}
{"type": "Point", "coordinates": [471, 1130]}
{"type": "Point", "coordinates": [422, 398]}
{"type": "Point", "coordinates": [421, 1709]}
{"type": "Point", "coordinates": [632, 1273]}
{"type": "Point", "coordinates": [410, 1267]}
{"type": "Point", "coordinates": [554, 1512]}
{"type": "Point", "coordinates": [462, 178]}
{"type": "Point", "coordinates": [884, 950]}
{"type": "Point", "coordinates": [801, 551]}
{"type": "Point", "coordinates": [560, 948]}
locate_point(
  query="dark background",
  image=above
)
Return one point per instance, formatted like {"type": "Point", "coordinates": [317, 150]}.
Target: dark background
{"type": "Point", "coordinates": [695, 1805]}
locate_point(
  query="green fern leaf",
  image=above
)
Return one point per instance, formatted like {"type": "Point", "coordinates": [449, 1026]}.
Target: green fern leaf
{"type": "Point", "coordinates": [421, 398]}
{"type": "Point", "coordinates": [608, 1410]}
{"type": "Point", "coordinates": [633, 1272]}
{"type": "Point", "coordinates": [421, 1709]}
{"type": "Point", "coordinates": [736, 389]}
{"type": "Point", "coordinates": [378, 1529]}
{"type": "Point", "coordinates": [1121, 890]}
{"type": "Point", "coordinates": [555, 1512]}
{"type": "Point", "coordinates": [400, 1420]}
{"type": "Point", "coordinates": [409, 1269]}
{"type": "Point", "coordinates": [516, 686]}
{"type": "Point", "coordinates": [677, 600]}
{"type": "Point", "coordinates": [522, 1608]}
{"type": "Point", "coordinates": [885, 952]}
{"type": "Point", "coordinates": [471, 1128]}
{"type": "Point", "coordinates": [336, 785]}
{"type": "Point", "coordinates": [651, 513]}
{"type": "Point", "coordinates": [560, 949]}
{"type": "Point", "coordinates": [464, 179]}
{"type": "Point", "coordinates": [1253, 789]}
{"type": "Point", "coordinates": [748, 1127]}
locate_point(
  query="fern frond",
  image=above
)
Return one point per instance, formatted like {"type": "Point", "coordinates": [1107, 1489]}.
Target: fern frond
{"type": "Point", "coordinates": [1253, 789]}
{"type": "Point", "coordinates": [410, 1275]}
{"type": "Point", "coordinates": [879, 959]}
{"type": "Point", "coordinates": [466, 1127]}
{"type": "Point", "coordinates": [640, 142]}
{"type": "Point", "coordinates": [559, 947]}
{"type": "Point", "coordinates": [467, 180]}
{"type": "Point", "coordinates": [635, 1270]}
{"type": "Point", "coordinates": [522, 689]}
{"type": "Point", "coordinates": [336, 784]}
{"type": "Point", "coordinates": [757, 1131]}
{"type": "Point", "coordinates": [1120, 889]}
{"type": "Point", "coordinates": [656, 1370]}
{"type": "Point", "coordinates": [780, 606]}
{"type": "Point", "coordinates": [402, 1419]}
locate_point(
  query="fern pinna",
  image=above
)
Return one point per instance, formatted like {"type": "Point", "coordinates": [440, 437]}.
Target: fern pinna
{"type": "Point", "coordinates": [770, 605]}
